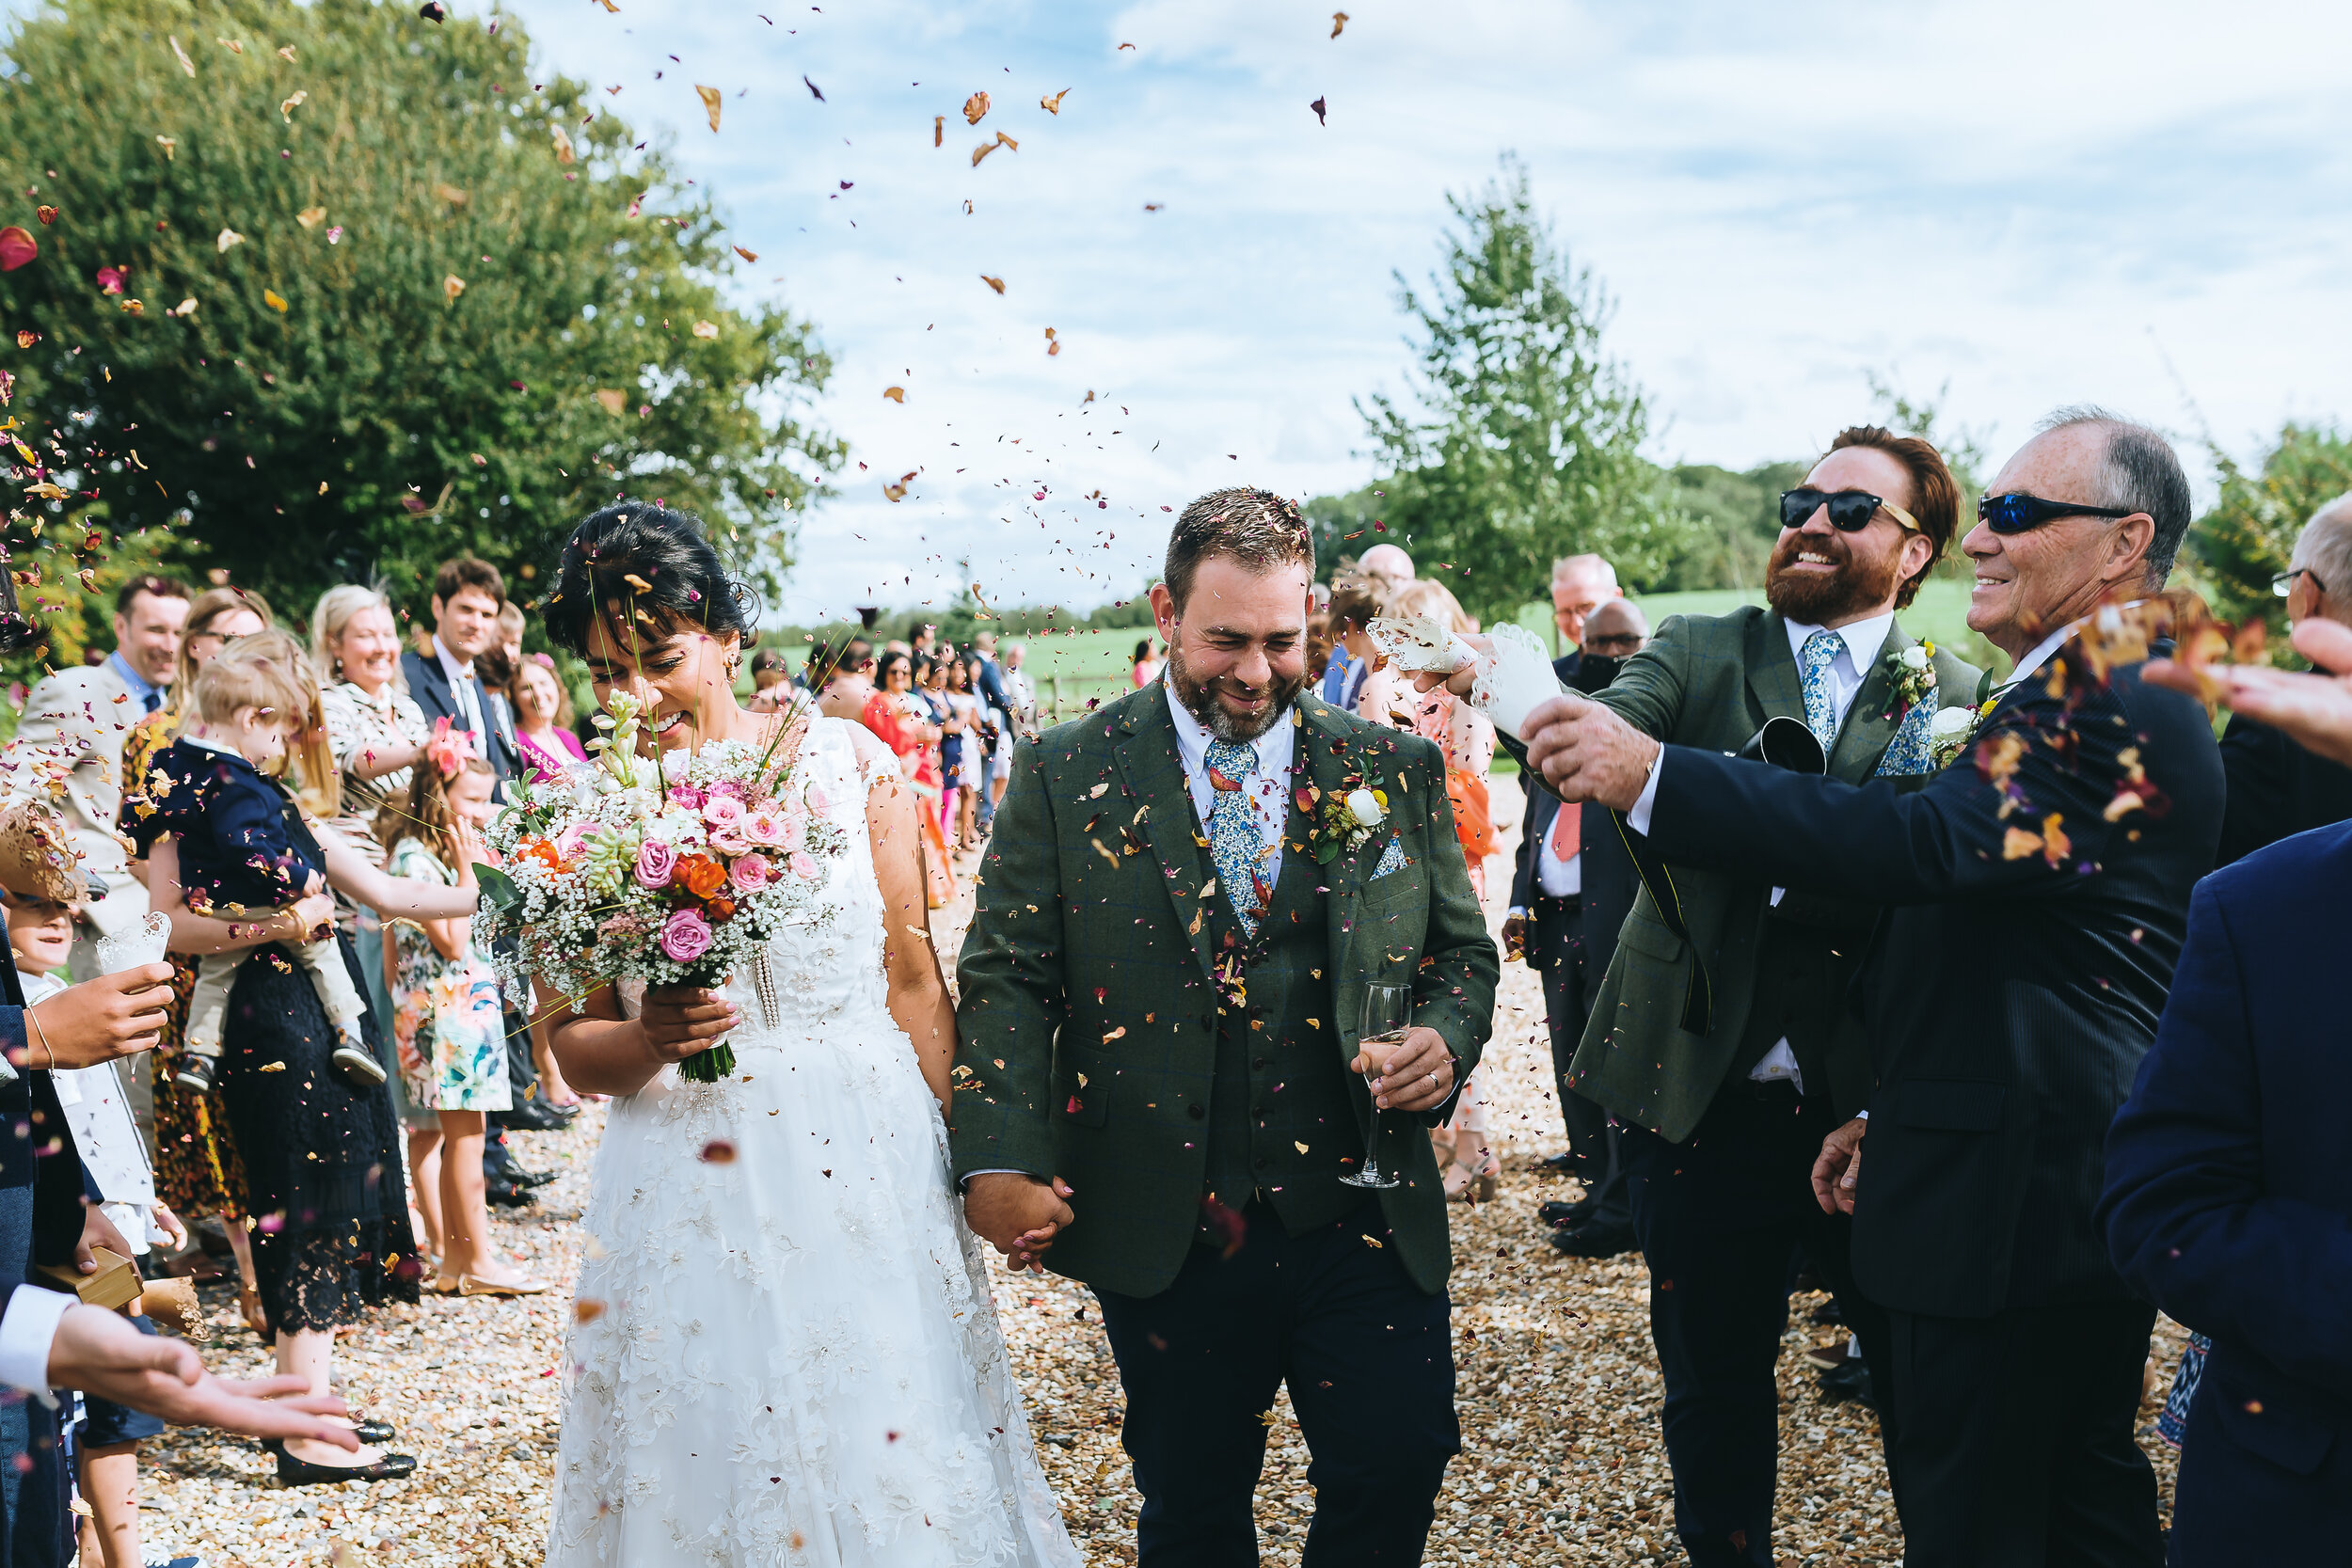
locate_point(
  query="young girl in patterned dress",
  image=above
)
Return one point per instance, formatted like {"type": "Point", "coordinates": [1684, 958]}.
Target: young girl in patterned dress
{"type": "Point", "coordinates": [448, 1028]}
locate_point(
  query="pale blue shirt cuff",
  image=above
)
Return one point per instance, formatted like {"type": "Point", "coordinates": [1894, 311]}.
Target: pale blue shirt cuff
{"type": "Point", "coordinates": [1638, 819]}
{"type": "Point", "coordinates": [27, 1332]}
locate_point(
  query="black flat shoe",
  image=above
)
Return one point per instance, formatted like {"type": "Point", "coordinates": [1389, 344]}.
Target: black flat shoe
{"type": "Point", "coordinates": [507, 1196]}
{"type": "Point", "coordinates": [301, 1472]}
{"type": "Point", "coordinates": [1560, 1211]}
{"type": "Point", "coordinates": [373, 1433]}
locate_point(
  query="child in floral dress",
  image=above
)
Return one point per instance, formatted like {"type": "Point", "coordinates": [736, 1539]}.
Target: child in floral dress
{"type": "Point", "coordinates": [447, 1024]}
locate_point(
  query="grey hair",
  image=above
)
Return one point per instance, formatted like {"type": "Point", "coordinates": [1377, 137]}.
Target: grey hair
{"type": "Point", "coordinates": [2324, 549]}
{"type": "Point", "coordinates": [2141, 472]}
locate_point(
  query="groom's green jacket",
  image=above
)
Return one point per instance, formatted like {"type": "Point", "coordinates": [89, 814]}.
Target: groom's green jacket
{"type": "Point", "coordinates": [1712, 681]}
{"type": "Point", "coordinates": [1090, 1018]}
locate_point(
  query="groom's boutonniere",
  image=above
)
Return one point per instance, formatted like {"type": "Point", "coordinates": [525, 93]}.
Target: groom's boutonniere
{"type": "Point", "coordinates": [1913, 672]}
{"type": "Point", "coordinates": [1341, 820]}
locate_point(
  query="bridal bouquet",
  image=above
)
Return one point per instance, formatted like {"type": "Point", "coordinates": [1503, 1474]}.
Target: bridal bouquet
{"type": "Point", "coordinates": [671, 872]}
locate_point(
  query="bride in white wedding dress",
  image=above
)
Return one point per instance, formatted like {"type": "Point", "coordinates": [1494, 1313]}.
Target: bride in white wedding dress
{"type": "Point", "coordinates": [785, 1351]}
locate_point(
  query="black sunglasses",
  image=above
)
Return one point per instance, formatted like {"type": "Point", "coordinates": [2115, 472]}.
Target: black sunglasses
{"type": "Point", "coordinates": [1849, 511]}
{"type": "Point", "coordinates": [2017, 511]}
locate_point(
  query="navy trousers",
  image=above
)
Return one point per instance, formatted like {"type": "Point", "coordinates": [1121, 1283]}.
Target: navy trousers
{"type": "Point", "coordinates": [1369, 1358]}
{"type": "Point", "coordinates": [1721, 1220]}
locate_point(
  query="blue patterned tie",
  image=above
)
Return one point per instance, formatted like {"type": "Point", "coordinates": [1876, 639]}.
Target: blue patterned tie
{"type": "Point", "coordinates": [1820, 707]}
{"type": "Point", "coordinates": [1235, 842]}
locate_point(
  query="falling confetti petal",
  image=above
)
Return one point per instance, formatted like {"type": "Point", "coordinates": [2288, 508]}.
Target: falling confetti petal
{"type": "Point", "coordinates": [182, 56]}
{"type": "Point", "coordinates": [718, 1151]}
{"type": "Point", "coordinates": [453, 286]}
{"type": "Point", "coordinates": [234, 46]}
{"type": "Point", "coordinates": [982, 151]}
{"type": "Point", "coordinates": [186, 308]}
{"type": "Point", "coordinates": [898, 492]}
{"type": "Point", "coordinates": [47, 215]}
{"type": "Point", "coordinates": [710, 104]}
{"type": "Point", "coordinates": [814, 91]}
{"type": "Point", "coordinates": [170, 146]}
{"type": "Point", "coordinates": [616, 401]}
{"type": "Point", "coordinates": [895, 394]}
{"type": "Point", "coordinates": [1317, 107]}
{"type": "Point", "coordinates": [975, 108]}
{"type": "Point", "coordinates": [1338, 20]}
{"type": "Point", "coordinates": [747, 255]}
{"type": "Point", "coordinates": [310, 218]}
{"type": "Point", "coordinates": [227, 238]}
{"type": "Point", "coordinates": [449, 194]}
{"type": "Point", "coordinates": [430, 10]}
{"type": "Point", "coordinates": [287, 108]}
{"type": "Point", "coordinates": [706, 330]}
{"type": "Point", "coordinates": [275, 300]}
{"type": "Point", "coordinates": [995, 283]}
{"type": "Point", "coordinates": [564, 151]}
{"type": "Point", "coordinates": [1052, 105]}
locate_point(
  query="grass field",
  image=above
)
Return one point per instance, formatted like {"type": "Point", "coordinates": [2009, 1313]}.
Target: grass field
{"type": "Point", "coordinates": [1094, 664]}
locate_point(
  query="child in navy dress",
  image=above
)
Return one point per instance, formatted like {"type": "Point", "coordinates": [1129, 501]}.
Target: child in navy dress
{"type": "Point", "coordinates": [216, 790]}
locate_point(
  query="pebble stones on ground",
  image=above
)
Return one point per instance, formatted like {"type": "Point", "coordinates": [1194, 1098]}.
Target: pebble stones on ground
{"type": "Point", "coordinates": [471, 1383]}
{"type": "Point", "coordinates": [1561, 1462]}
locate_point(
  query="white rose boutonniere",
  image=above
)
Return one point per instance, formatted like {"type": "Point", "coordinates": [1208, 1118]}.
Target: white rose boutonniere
{"type": "Point", "coordinates": [1913, 672]}
{"type": "Point", "coordinates": [1950, 732]}
{"type": "Point", "coordinates": [1341, 820]}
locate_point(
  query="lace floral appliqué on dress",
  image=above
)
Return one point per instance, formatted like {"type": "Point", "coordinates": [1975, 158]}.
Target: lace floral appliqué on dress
{"type": "Point", "coordinates": [788, 1352]}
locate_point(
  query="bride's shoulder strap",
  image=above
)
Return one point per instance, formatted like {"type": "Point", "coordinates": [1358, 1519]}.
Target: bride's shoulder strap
{"type": "Point", "coordinates": [873, 760]}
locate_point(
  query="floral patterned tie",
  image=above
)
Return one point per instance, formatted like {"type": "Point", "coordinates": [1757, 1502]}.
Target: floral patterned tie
{"type": "Point", "coordinates": [1235, 842]}
{"type": "Point", "coordinates": [1820, 707]}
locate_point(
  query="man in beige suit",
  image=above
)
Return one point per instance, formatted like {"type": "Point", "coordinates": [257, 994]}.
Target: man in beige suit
{"type": "Point", "coordinates": [81, 716]}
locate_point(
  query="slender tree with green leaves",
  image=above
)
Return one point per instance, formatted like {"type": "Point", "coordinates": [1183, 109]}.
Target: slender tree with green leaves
{"type": "Point", "coordinates": [1522, 439]}
{"type": "Point", "coordinates": [331, 291]}
{"type": "Point", "coordinates": [2247, 536]}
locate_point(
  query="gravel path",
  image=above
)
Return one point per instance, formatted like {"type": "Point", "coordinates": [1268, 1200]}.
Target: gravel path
{"type": "Point", "coordinates": [1559, 1393]}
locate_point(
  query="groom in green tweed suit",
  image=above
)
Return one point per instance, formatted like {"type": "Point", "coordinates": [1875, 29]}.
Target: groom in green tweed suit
{"type": "Point", "coordinates": [1157, 1082]}
{"type": "Point", "coordinates": [1719, 1040]}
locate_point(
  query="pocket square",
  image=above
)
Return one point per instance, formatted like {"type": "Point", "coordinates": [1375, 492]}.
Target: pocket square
{"type": "Point", "coordinates": [1391, 859]}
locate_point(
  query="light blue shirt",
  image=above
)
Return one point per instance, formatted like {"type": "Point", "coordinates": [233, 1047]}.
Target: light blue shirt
{"type": "Point", "coordinates": [141, 689]}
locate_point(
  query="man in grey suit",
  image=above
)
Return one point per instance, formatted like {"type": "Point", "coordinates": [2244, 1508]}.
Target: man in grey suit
{"type": "Point", "coordinates": [80, 716]}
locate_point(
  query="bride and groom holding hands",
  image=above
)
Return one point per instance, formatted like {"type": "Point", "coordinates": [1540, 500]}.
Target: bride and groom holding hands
{"type": "Point", "coordinates": [1199, 902]}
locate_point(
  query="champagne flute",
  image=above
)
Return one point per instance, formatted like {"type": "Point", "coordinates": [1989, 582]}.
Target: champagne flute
{"type": "Point", "coordinates": [1388, 1012]}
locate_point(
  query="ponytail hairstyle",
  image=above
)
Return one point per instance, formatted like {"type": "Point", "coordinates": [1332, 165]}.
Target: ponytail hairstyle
{"type": "Point", "coordinates": [426, 814]}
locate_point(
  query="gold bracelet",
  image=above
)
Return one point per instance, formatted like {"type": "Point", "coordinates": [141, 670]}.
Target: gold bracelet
{"type": "Point", "coordinates": [34, 1018]}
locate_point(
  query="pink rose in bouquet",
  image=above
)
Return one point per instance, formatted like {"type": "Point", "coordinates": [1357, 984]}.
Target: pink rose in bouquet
{"type": "Point", "coordinates": [686, 936]}
{"type": "Point", "coordinates": [571, 841]}
{"type": "Point", "coordinates": [723, 811]}
{"type": "Point", "coordinates": [765, 825]}
{"type": "Point", "coordinates": [818, 802]}
{"type": "Point", "coordinates": [749, 874]}
{"type": "Point", "coordinates": [732, 788]}
{"type": "Point", "coordinates": [655, 862]}
{"type": "Point", "coordinates": [729, 841]}
{"type": "Point", "coordinates": [804, 866]}
{"type": "Point", "coordinates": [795, 832]}
{"type": "Point", "coordinates": [686, 795]}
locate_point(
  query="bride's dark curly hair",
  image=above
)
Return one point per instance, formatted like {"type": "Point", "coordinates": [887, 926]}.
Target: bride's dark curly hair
{"type": "Point", "coordinates": [636, 563]}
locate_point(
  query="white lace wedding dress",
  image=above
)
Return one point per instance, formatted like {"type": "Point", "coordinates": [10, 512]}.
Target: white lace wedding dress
{"type": "Point", "coordinates": [793, 1357]}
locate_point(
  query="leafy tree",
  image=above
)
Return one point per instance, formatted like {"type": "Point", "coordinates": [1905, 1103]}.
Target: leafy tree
{"type": "Point", "coordinates": [332, 290]}
{"type": "Point", "coordinates": [2247, 536]}
{"type": "Point", "coordinates": [1524, 440]}
{"type": "Point", "coordinates": [1738, 521]}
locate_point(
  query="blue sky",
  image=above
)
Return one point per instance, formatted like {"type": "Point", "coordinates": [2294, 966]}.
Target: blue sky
{"type": "Point", "coordinates": [2037, 203]}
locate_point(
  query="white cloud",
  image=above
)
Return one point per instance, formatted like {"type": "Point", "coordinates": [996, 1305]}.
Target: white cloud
{"type": "Point", "coordinates": [2039, 203]}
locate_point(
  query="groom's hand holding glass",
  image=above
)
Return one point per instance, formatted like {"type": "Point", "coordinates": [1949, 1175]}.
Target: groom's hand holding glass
{"type": "Point", "coordinates": [1417, 1076]}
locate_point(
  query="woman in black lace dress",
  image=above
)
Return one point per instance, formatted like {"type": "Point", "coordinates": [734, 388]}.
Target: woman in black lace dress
{"type": "Point", "coordinates": [331, 1236]}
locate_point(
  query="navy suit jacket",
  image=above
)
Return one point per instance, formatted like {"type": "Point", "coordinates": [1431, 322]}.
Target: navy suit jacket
{"type": "Point", "coordinates": [2277, 790]}
{"type": "Point", "coordinates": [2229, 1200]}
{"type": "Point", "coordinates": [2014, 983]}
{"type": "Point", "coordinates": [428, 683]}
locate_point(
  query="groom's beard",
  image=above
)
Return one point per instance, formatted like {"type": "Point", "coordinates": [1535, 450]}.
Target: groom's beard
{"type": "Point", "coordinates": [1200, 700]}
{"type": "Point", "coordinates": [1817, 598]}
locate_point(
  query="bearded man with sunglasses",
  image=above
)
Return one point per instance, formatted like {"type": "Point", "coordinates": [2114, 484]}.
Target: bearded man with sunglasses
{"type": "Point", "coordinates": [2040, 895]}
{"type": "Point", "coordinates": [1723, 1108]}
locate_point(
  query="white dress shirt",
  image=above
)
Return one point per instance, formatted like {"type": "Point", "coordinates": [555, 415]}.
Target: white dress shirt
{"type": "Point", "coordinates": [469, 694]}
{"type": "Point", "coordinates": [1861, 643]}
{"type": "Point", "coordinates": [1269, 788]}
{"type": "Point", "coordinates": [27, 1331]}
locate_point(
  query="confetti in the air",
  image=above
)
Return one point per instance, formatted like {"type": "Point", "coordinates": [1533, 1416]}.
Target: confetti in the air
{"type": "Point", "coordinates": [710, 104]}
